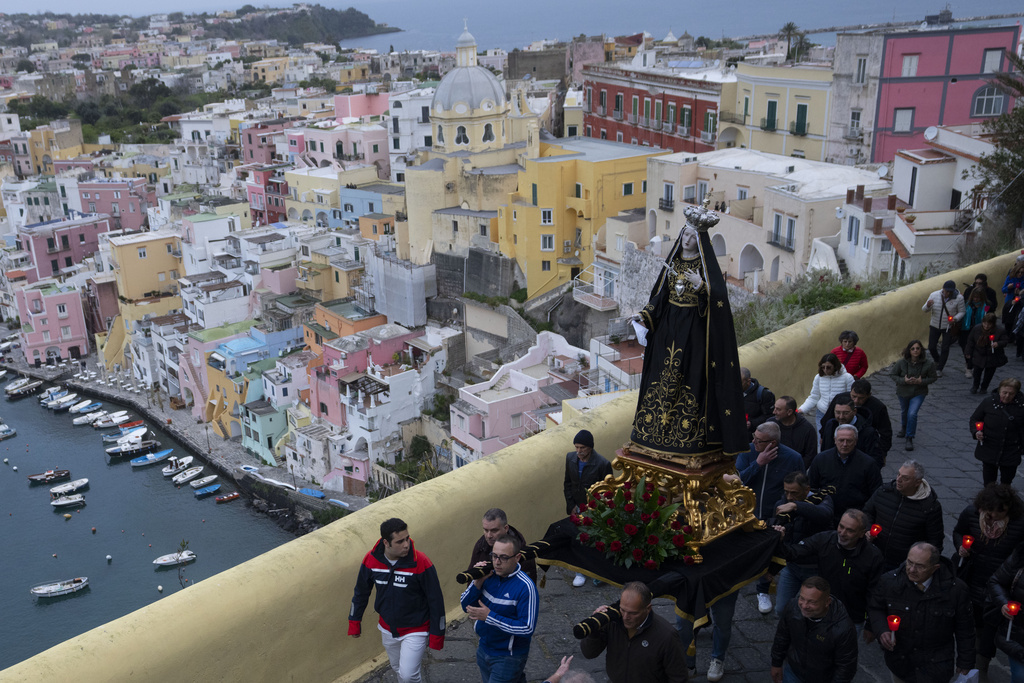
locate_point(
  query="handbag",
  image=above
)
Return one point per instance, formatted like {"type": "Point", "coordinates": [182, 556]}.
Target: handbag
{"type": "Point", "coordinates": [954, 326]}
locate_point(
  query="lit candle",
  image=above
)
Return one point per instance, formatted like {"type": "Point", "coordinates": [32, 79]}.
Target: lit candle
{"type": "Point", "coordinates": [875, 530]}
{"type": "Point", "coordinates": [894, 623]}
{"type": "Point", "coordinates": [967, 542]}
{"type": "Point", "coordinates": [991, 337]}
{"type": "Point", "coordinates": [978, 426]}
{"type": "Point", "coordinates": [1013, 608]}
{"type": "Point", "coordinates": [950, 318]}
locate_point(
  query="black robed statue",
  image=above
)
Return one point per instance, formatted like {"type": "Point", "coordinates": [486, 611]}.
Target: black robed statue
{"type": "Point", "coordinates": [691, 401]}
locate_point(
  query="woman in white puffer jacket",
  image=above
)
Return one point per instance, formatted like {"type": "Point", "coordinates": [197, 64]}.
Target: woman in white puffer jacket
{"type": "Point", "coordinates": [832, 379]}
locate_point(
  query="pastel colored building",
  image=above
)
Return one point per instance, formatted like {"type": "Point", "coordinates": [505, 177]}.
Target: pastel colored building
{"type": "Point", "coordinates": [193, 379]}
{"type": "Point", "coordinates": [314, 193]}
{"type": "Point", "coordinates": [259, 140]}
{"type": "Point", "coordinates": [59, 245]}
{"type": "Point", "coordinates": [345, 146]}
{"type": "Point", "coordinates": [126, 200]}
{"type": "Point", "coordinates": [340, 318]}
{"type": "Point", "coordinates": [267, 191]}
{"type": "Point", "coordinates": [52, 321]}
{"type": "Point", "coordinates": [361, 104]}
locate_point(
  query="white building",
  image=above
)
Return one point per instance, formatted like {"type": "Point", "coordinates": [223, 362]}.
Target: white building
{"type": "Point", "coordinates": [409, 128]}
{"type": "Point", "coordinates": [211, 300]}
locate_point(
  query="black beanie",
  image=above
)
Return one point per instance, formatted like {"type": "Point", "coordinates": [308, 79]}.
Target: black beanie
{"type": "Point", "coordinates": [584, 438]}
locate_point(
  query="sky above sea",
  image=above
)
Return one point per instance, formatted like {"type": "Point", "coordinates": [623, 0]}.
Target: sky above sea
{"type": "Point", "coordinates": [429, 24]}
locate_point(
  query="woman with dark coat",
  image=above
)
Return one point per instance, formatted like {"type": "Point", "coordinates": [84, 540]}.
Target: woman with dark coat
{"type": "Point", "coordinates": [997, 426]}
{"type": "Point", "coordinates": [1006, 585]}
{"type": "Point", "coordinates": [995, 522]}
{"type": "Point", "coordinates": [984, 351]}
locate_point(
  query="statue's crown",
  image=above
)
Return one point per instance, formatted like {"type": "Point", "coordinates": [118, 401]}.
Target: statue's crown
{"type": "Point", "coordinates": [700, 217]}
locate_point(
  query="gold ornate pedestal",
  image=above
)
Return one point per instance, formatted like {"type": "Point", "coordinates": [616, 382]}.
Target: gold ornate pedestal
{"type": "Point", "coordinates": [712, 505]}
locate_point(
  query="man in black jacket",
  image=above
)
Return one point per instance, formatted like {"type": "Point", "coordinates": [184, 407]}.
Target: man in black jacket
{"type": "Point", "coordinates": [845, 559]}
{"type": "Point", "coordinates": [797, 432]}
{"type": "Point", "coordinates": [495, 526]}
{"type": "Point", "coordinates": [934, 610]}
{"type": "Point", "coordinates": [815, 638]}
{"type": "Point", "coordinates": [908, 511]}
{"type": "Point", "coordinates": [876, 412]}
{"type": "Point", "coordinates": [845, 413]}
{"type": "Point", "coordinates": [584, 467]}
{"type": "Point", "coordinates": [758, 401]}
{"type": "Point", "coordinates": [854, 474]}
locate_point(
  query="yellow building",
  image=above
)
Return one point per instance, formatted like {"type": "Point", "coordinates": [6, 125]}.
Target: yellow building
{"type": "Point", "coordinates": [270, 70]}
{"type": "Point", "coordinates": [779, 109]}
{"type": "Point", "coordinates": [353, 72]}
{"type": "Point", "coordinates": [57, 140]}
{"type": "Point", "coordinates": [313, 192]}
{"type": "Point", "coordinates": [565, 196]}
{"type": "Point", "coordinates": [239, 210]}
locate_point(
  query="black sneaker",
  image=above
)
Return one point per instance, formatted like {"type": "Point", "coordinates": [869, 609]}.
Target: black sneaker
{"type": "Point", "coordinates": [910, 443]}
{"type": "Point", "coordinates": [900, 434]}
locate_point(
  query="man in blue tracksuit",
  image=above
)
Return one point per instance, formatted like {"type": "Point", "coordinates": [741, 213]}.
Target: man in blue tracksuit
{"type": "Point", "coordinates": [504, 606]}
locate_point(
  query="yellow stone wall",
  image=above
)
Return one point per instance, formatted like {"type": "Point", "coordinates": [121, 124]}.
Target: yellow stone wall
{"type": "Point", "coordinates": [283, 616]}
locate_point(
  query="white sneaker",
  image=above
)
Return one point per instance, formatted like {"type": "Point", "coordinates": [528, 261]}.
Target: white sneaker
{"type": "Point", "coordinates": [579, 580]}
{"type": "Point", "coordinates": [764, 603]}
{"type": "Point", "coordinates": [716, 670]}
{"type": "Point", "coordinates": [968, 374]}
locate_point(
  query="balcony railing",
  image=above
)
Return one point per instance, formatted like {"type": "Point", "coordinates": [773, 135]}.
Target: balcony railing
{"type": "Point", "coordinates": [352, 157]}
{"type": "Point", "coordinates": [670, 126]}
{"type": "Point", "coordinates": [666, 204]}
{"type": "Point", "coordinates": [645, 122]}
{"type": "Point", "coordinates": [707, 136]}
{"type": "Point", "coordinates": [54, 249]}
{"type": "Point", "coordinates": [768, 124]}
{"type": "Point", "coordinates": [656, 124]}
{"type": "Point", "coordinates": [633, 118]}
{"type": "Point", "coordinates": [732, 117]}
{"type": "Point", "coordinates": [684, 131]}
{"type": "Point", "coordinates": [601, 109]}
{"type": "Point", "coordinates": [781, 241]}
{"type": "Point", "coordinates": [798, 127]}
{"type": "Point", "coordinates": [617, 114]}
{"type": "Point", "coordinates": [853, 133]}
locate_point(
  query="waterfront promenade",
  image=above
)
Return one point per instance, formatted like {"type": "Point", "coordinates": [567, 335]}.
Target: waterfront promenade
{"type": "Point", "coordinates": [943, 446]}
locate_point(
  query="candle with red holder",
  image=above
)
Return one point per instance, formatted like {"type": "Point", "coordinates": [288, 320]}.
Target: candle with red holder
{"type": "Point", "coordinates": [1013, 608]}
{"type": "Point", "coordinates": [967, 542]}
{"type": "Point", "coordinates": [894, 622]}
{"type": "Point", "coordinates": [875, 530]}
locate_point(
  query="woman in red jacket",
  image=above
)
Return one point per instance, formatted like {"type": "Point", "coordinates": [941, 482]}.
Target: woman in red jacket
{"type": "Point", "coordinates": [853, 359]}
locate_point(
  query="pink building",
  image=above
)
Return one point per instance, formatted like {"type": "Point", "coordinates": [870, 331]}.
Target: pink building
{"type": "Point", "coordinates": [346, 146]}
{"type": "Point", "coordinates": [61, 244]}
{"type": "Point", "coordinates": [52, 321]}
{"type": "Point", "coordinates": [360, 105]}
{"type": "Point", "coordinates": [125, 199]}
{"type": "Point", "coordinates": [935, 78]}
{"type": "Point", "coordinates": [258, 141]}
{"type": "Point", "coordinates": [267, 191]}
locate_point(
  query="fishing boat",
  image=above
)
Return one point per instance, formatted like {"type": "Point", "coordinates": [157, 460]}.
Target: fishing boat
{"type": "Point", "coordinates": [26, 389]}
{"type": "Point", "coordinates": [63, 403]}
{"type": "Point", "coordinates": [249, 468]}
{"type": "Point", "coordinates": [89, 407]}
{"type": "Point", "coordinates": [55, 588]}
{"type": "Point", "coordinates": [70, 487]}
{"type": "Point", "coordinates": [282, 484]}
{"type": "Point", "coordinates": [68, 501]}
{"type": "Point", "coordinates": [123, 430]}
{"type": "Point", "coordinates": [203, 481]}
{"type": "Point", "coordinates": [176, 465]}
{"type": "Point", "coordinates": [89, 418]}
{"type": "Point", "coordinates": [313, 492]}
{"type": "Point", "coordinates": [17, 384]}
{"type": "Point", "coordinates": [152, 458]}
{"type": "Point", "coordinates": [51, 394]}
{"type": "Point", "coordinates": [133, 435]}
{"type": "Point", "coordinates": [207, 490]}
{"type": "Point", "coordinates": [181, 557]}
{"type": "Point", "coordinates": [109, 421]}
{"type": "Point", "coordinates": [78, 406]}
{"type": "Point", "coordinates": [49, 476]}
{"type": "Point", "coordinates": [187, 475]}
{"type": "Point", "coordinates": [7, 431]}
{"type": "Point", "coordinates": [228, 497]}
{"type": "Point", "coordinates": [133, 448]}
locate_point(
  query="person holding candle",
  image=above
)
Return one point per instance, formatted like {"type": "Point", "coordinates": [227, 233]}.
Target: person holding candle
{"type": "Point", "coordinates": [907, 510]}
{"type": "Point", "coordinates": [1006, 588]}
{"type": "Point", "coordinates": [933, 638]}
{"type": "Point", "coordinates": [997, 425]}
{"type": "Point", "coordinates": [985, 535]}
{"type": "Point", "coordinates": [912, 373]}
{"type": "Point", "coordinates": [1012, 288]}
{"type": "Point", "coordinates": [947, 309]}
{"type": "Point", "coordinates": [985, 351]}
{"type": "Point", "coordinates": [975, 309]}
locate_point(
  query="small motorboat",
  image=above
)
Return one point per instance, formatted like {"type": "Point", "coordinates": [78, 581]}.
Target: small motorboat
{"type": "Point", "coordinates": [89, 418]}
{"type": "Point", "coordinates": [7, 431]}
{"type": "Point", "coordinates": [249, 468]}
{"type": "Point", "coordinates": [3, 373]}
{"type": "Point", "coordinates": [64, 403]}
{"type": "Point", "coordinates": [152, 458]}
{"type": "Point", "coordinates": [172, 559]}
{"type": "Point", "coordinates": [49, 476]}
{"type": "Point", "coordinates": [117, 413]}
{"type": "Point", "coordinates": [124, 430]}
{"type": "Point", "coordinates": [203, 481]}
{"type": "Point", "coordinates": [282, 484]}
{"type": "Point", "coordinates": [337, 503]}
{"type": "Point", "coordinates": [55, 588]}
{"type": "Point", "coordinates": [133, 448]}
{"type": "Point", "coordinates": [17, 384]}
{"type": "Point", "coordinates": [68, 501]}
{"type": "Point", "coordinates": [70, 487]}
{"type": "Point", "coordinates": [110, 421]}
{"type": "Point", "coordinates": [176, 465]}
{"type": "Point", "coordinates": [134, 435]}
{"type": "Point", "coordinates": [313, 492]}
{"type": "Point", "coordinates": [25, 390]}
{"type": "Point", "coordinates": [188, 475]}
{"type": "Point", "coordinates": [228, 497]}
{"type": "Point", "coordinates": [207, 490]}
{"type": "Point", "coordinates": [6, 346]}
{"type": "Point", "coordinates": [61, 398]}
{"type": "Point", "coordinates": [51, 394]}
{"type": "Point", "coordinates": [89, 407]}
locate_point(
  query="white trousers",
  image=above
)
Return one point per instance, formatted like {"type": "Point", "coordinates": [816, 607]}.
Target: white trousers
{"type": "Point", "coordinates": [405, 654]}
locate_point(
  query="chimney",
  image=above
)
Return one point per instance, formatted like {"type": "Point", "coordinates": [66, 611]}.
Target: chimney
{"type": "Point", "coordinates": [891, 203]}
{"type": "Point", "coordinates": [867, 205]}
{"type": "Point", "coordinates": [877, 227]}
{"type": "Point", "coordinates": [849, 196]}
{"type": "Point", "coordinates": [860, 192]}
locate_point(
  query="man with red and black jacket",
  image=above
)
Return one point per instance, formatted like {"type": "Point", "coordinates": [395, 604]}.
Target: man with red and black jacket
{"type": "Point", "coordinates": [409, 600]}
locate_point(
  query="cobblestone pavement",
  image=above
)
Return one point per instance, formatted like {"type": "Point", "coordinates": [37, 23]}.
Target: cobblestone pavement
{"type": "Point", "coordinates": [943, 446]}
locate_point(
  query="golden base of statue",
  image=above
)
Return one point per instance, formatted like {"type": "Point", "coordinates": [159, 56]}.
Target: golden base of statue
{"type": "Point", "coordinates": [712, 504]}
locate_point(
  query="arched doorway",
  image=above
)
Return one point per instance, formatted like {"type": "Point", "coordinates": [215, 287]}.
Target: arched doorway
{"type": "Point", "coordinates": [774, 275]}
{"type": "Point", "coordinates": [718, 244]}
{"type": "Point", "coordinates": [750, 260]}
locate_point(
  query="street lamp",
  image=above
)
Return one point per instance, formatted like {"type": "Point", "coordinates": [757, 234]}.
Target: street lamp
{"type": "Point", "coordinates": [206, 426]}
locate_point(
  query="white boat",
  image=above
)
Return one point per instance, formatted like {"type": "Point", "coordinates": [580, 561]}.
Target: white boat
{"type": "Point", "coordinates": [16, 384]}
{"type": "Point", "coordinates": [3, 373]}
{"type": "Point", "coordinates": [81, 404]}
{"type": "Point", "coordinates": [110, 421]}
{"type": "Point", "coordinates": [6, 346]}
{"type": "Point", "coordinates": [26, 389]}
{"type": "Point", "coordinates": [7, 431]}
{"type": "Point", "coordinates": [70, 487]}
{"type": "Point", "coordinates": [134, 435]}
{"type": "Point", "coordinates": [51, 394]}
{"type": "Point", "coordinates": [282, 484]}
{"type": "Point", "coordinates": [88, 407]}
{"type": "Point", "coordinates": [204, 481]}
{"type": "Point", "coordinates": [176, 465]}
{"type": "Point", "coordinates": [187, 475]}
{"type": "Point", "coordinates": [68, 501]}
{"type": "Point", "coordinates": [64, 400]}
{"type": "Point", "coordinates": [55, 588]}
{"type": "Point", "coordinates": [182, 557]}
{"type": "Point", "coordinates": [89, 418]}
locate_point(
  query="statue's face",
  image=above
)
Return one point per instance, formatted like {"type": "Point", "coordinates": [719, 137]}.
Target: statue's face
{"type": "Point", "coordinates": [689, 238]}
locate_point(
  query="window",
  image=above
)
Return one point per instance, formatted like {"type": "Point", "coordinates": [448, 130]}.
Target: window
{"type": "Point", "coordinates": [636, 105]}
{"type": "Point", "coordinates": [545, 265]}
{"type": "Point", "coordinates": [618, 102]}
{"type": "Point", "coordinates": [440, 135]}
{"type": "Point", "coordinates": [910, 66]}
{"type": "Point", "coordinates": [81, 238]}
{"type": "Point", "coordinates": [627, 189]}
{"type": "Point", "coordinates": [903, 120]}
{"type": "Point", "coordinates": [571, 131]}
{"type": "Point", "coordinates": [428, 140]}
{"type": "Point", "coordinates": [483, 230]}
{"type": "Point", "coordinates": [643, 186]}
{"type": "Point", "coordinates": [460, 136]}
{"type": "Point", "coordinates": [865, 243]}
{"type": "Point", "coordinates": [65, 332]}
{"type": "Point", "coordinates": [604, 134]}
{"type": "Point", "coordinates": [668, 192]}
{"type": "Point", "coordinates": [117, 194]}
{"type": "Point", "coordinates": [689, 194]}
{"type": "Point", "coordinates": [455, 226]}
{"type": "Point", "coordinates": [860, 76]}
{"type": "Point", "coordinates": [488, 133]}
{"type": "Point", "coordinates": [142, 252]}
{"type": "Point", "coordinates": [885, 246]}
{"type": "Point", "coordinates": [602, 99]}
{"type": "Point", "coordinates": [790, 230]}
{"type": "Point", "coordinates": [547, 242]}
{"type": "Point", "coordinates": [396, 143]}
{"type": "Point", "coordinates": [913, 186]}
{"type": "Point", "coordinates": [516, 421]}
{"type": "Point", "coordinates": [855, 119]}
{"type": "Point", "coordinates": [546, 217]}
{"type": "Point", "coordinates": [988, 101]}
{"type": "Point", "coordinates": [46, 335]}
{"type": "Point", "coordinates": [92, 207]}
{"type": "Point", "coordinates": [514, 215]}
{"type": "Point", "coordinates": [55, 266]}
{"type": "Point", "coordinates": [68, 262]}
{"type": "Point", "coordinates": [620, 242]}
{"type": "Point", "coordinates": [853, 229]}
{"type": "Point", "coordinates": [741, 193]}
{"type": "Point", "coordinates": [993, 60]}
{"type": "Point", "coordinates": [777, 227]}
{"type": "Point", "coordinates": [62, 310]}
{"type": "Point", "coordinates": [535, 194]}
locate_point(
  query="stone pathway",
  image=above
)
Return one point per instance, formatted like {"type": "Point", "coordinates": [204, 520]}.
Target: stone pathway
{"type": "Point", "coordinates": [943, 446]}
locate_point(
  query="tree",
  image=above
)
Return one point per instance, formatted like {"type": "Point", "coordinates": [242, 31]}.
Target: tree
{"type": "Point", "coordinates": [25, 65]}
{"type": "Point", "coordinates": [787, 32]}
{"type": "Point", "coordinates": [1001, 172]}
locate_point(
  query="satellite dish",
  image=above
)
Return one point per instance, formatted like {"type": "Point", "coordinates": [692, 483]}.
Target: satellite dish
{"type": "Point", "coordinates": [882, 171]}
{"type": "Point", "coordinates": [930, 133]}
{"type": "Point", "coordinates": [577, 252]}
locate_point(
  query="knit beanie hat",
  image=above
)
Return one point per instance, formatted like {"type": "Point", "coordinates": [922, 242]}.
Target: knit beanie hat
{"type": "Point", "coordinates": [584, 438]}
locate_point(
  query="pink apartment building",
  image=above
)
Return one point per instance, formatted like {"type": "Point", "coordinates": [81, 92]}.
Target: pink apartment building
{"type": "Point", "coordinates": [61, 244]}
{"type": "Point", "coordinates": [360, 105]}
{"type": "Point", "coordinates": [348, 146]}
{"type": "Point", "coordinates": [267, 191]}
{"type": "Point", "coordinates": [124, 199]}
{"type": "Point", "coordinates": [52, 321]}
{"type": "Point", "coordinates": [258, 140]}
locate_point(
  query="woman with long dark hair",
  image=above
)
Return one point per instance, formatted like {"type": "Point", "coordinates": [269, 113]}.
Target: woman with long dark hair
{"type": "Point", "coordinates": [912, 373]}
{"type": "Point", "coordinates": [997, 424]}
{"type": "Point", "coordinates": [832, 379]}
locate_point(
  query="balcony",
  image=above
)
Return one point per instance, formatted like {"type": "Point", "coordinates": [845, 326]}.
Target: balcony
{"type": "Point", "coordinates": [785, 242]}
{"type": "Point", "coordinates": [732, 117]}
{"type": "Point", "coordinates": [645, 122]}
{"type": "Point", "coordinates": [798, 128]}
{"type": "Point", "coordinates": [768, 124]}
{"type": "Point", "coordinates": [684, 131]}
{"type": "Point", "coordinates": [353, 157]}
{"type": "Point", "coordinates": [708, 136]}
{"type": "Point", "coordinates": [666, 204]}
{"type": "Point", "coordinates": [670, 127]}
{"type": "Point", "coordinates": [656, 124]}
{"type": "Point", "coordinates": [53, 249]}
{"type": "Point", "coordinates": [617, 114]}
{"type": "Point", "coordinates": [633, 118]}
{"type": "Point", "coordinates": [601, 109]}
{"type": "Point", "coordinates": [853, 133]}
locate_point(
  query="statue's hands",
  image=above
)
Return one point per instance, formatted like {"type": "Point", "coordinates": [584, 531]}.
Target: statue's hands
{"type": "Point", "coordinates": [638, 319]}
{"type": "Point", "coordinates": [694, 279]}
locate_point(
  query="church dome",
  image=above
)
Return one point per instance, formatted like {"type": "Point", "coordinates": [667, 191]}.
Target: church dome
{"type": "Point", "coordinates": [473, 87]}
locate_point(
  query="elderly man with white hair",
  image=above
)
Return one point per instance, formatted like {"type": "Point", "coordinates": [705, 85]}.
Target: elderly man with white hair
{"type": "Point", "coordinates": [853, 473]}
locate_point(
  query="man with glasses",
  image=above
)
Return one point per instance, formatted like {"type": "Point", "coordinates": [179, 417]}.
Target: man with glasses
{"type": "Point", "coordinates": [496, 525]}
{"type": "Point", "coordinates": [409, 600]}
{"type": "Point", "coordinates": [642, 646]}
{"type": "Point", "coordinates": [907, 510]}
{"type": "Point", "coordinates": [934, 611]}
{"type": "Point", "coordinates": [504, 606]}
{"type": "Point", "coordinates": [853, 473]}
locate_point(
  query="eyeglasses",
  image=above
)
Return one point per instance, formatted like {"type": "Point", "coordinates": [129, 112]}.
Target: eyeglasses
{"type": "Point", "coordinates": [504, 558]}
{"type": "Point", "coordinates": [757, 440]}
